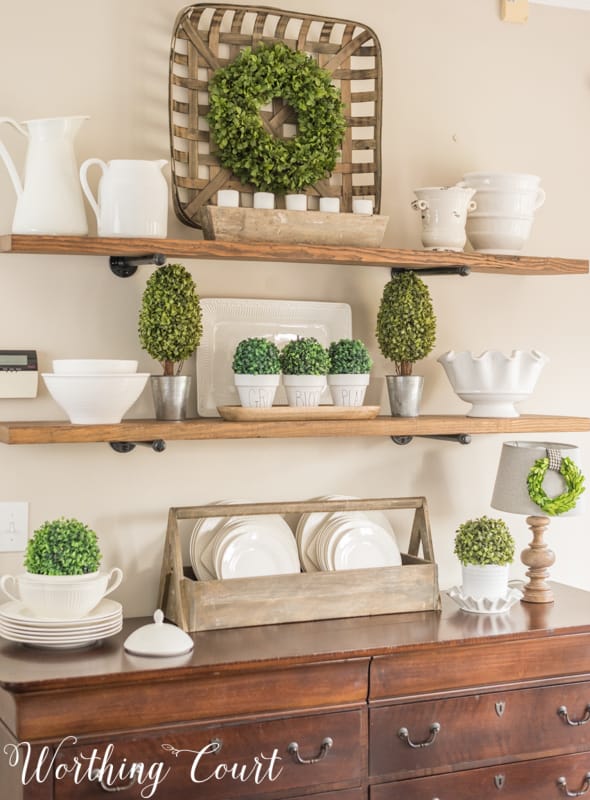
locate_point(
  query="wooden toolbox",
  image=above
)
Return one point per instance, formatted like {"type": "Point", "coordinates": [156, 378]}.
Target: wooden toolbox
{"type": "Point", "coordinates": [197, 605]}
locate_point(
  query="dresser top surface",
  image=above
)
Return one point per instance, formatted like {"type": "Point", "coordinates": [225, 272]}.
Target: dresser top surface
{"type": "Point", "coordinates": [25, 669]}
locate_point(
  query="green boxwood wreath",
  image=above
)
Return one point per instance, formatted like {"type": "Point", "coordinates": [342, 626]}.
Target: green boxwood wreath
{"type": "Point", "coordinates": [237, 93]}
{"type": "Point", "coordinates": [574, 481]}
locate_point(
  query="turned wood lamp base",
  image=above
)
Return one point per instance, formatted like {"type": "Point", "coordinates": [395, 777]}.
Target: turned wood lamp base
{"type": "Point", "coordinates": [538, 557]}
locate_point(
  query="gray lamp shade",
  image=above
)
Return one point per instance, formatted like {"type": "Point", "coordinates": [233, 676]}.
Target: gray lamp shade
{"type": "Point", "coordinates": [516, 459]}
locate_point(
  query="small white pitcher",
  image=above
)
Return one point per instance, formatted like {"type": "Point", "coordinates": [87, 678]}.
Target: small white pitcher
{"type": "Point", "coordinates": [132, 197]}
{"type": "Point", "coordinates": [444, 213]}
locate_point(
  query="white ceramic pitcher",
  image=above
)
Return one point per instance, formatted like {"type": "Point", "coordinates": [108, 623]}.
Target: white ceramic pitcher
{"type": "Point", "coordinates": [49, 199]}
{"type": "Point", "coordinates": [132, 197]}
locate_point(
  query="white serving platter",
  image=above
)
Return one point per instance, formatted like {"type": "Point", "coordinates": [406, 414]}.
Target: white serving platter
{"type": "Point", "coordinates": [226, 321]}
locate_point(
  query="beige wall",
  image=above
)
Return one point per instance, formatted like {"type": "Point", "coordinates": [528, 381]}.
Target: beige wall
{"type": "Point", "coordinates": [462, 91]}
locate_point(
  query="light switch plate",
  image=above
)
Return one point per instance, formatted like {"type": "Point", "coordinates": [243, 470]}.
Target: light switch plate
{"type": "Point", "coordinates": [514, 10]}
{"type": "Point", "coordinates": [14, 527]}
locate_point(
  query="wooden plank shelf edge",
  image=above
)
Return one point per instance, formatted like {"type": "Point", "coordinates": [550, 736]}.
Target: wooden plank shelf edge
{"type": "Point", "coordinates": [141, 430]}
{"type": "Point", "coordinates": [291, 253]}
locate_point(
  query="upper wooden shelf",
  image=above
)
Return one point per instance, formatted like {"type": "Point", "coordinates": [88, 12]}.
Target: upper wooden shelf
{"type": "Point", "coordinates": [265, 251]}
{"type": "Point", "coordinates": [146, 430]}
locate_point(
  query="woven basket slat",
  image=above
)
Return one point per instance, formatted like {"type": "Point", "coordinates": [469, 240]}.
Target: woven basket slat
{"type": "Point", "coordinates": [207, 37]}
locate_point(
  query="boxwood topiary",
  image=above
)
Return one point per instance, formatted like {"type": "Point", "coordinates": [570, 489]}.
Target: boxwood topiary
{"type": "Point", "coordinates": [304, 356]}
{"type": "Point", "coordinates": [170, 320]}
{"type": "Point", "coordinates": [406, 324]}
{"type": "Point", "coordinates": [63, 547]}
{"type": "Point", "coordinates": [256, 356]}
{"type": "Point", "coordinates": [484, 541]}
{"type": "Point", "coordinates": [349, 357]}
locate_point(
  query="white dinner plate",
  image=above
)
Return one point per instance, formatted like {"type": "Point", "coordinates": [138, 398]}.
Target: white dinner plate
{"type": "Point", "coordinates": [255, 553]}
{"type": "Point", "coordinates": [364, 547]}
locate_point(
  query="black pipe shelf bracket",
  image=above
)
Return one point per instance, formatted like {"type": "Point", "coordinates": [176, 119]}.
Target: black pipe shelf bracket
{"type": "Point", "coordinates": [126, 266]}
{"type": "Point", "coordinates": [157, 445]}
{"type": "Point", "coordinates": [463, 270]}
{"type": "Point", "coordinates": [458, 438]}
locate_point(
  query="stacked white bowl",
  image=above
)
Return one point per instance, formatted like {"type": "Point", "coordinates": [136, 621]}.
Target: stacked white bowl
{"type": "Point", "coordinates": [505, 207]}
{"type": "Point", "coordinates": [95, 391]}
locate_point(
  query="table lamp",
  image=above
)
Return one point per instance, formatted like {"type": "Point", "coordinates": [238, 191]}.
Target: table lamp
{"type": "Point", "coordinates": [539, 479]}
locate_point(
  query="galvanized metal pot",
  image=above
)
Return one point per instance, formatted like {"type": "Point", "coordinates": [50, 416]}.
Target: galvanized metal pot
{"type": "Point", "coordinates": [405, 393]}
{"type": "Point", "coordinates": [170, 394]}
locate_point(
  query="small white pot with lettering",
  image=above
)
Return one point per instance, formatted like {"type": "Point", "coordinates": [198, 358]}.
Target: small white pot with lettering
{"type": "Point", "coordinates": [348, 389]}
{"type": "Point", "coordinates": [257, 391]}
{"type": "Point", "coordinates": [304, 390]}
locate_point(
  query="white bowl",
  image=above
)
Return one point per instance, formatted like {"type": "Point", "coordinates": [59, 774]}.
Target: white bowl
{"type": "Point", "coordinates": [93, 366]}
{"type": "Point", "coordinates": [493, 382]}
{"type": "Point", "coordinates": [501, 180]}
{"type": "Point", "coordinates": [502, 235]}
{"type": "Point", "coordinates": [95, 399]}
{"type": "Point", "coordinates": [507, 202]}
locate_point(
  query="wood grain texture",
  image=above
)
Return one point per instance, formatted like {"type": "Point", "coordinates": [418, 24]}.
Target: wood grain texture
{"type": "Point", "coordinates": [291, 413]}
{"type": "Point", "coordinates": [222, 224]}
{"type": "Point", "coordinates": [492, 735]}
{"type": "Point", "coordinates": [530, 779]}
{"type": "Point", "coordinates": [242, 602]}
{"type": "Point", "coordinates": [298, 254]}
{"type": "Point", "coordinates": [143, 430]}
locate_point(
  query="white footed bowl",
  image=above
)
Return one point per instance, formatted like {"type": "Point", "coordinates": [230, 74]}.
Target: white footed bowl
{"type": "Point", "coordinates": [493, 382]}
{"type": "Point", "coordinates": [95, 399]}
{"type": "Point", "coordinates": [93, 366]}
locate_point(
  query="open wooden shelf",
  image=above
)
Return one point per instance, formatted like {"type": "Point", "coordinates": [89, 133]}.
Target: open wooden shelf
{"type": "Point", "coordinates": [145, 430]}
{"type": "Point", "coordinates": [264, 251]}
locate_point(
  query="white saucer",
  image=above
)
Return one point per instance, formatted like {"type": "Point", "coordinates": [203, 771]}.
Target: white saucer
{"type": "Point", "coordinates": [485, 605]}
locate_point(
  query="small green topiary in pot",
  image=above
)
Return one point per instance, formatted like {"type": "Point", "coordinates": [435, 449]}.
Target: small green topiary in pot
{"type": "Point", "coordinates": [304, 356]}
{"type": "Point", "coordinates": [256, 356]}
{"type": "Point", "coordinates": [484, 541]}
{"type": "Point", "coordinates": [406, 324]}
{"type": "Point", "coordinates": [63, 547]}
{"type": "Point", "coordinates": [349, 357]}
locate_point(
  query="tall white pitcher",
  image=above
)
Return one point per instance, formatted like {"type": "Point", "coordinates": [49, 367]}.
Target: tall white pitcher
{"type": "Point", "coordinates": [49, 198]}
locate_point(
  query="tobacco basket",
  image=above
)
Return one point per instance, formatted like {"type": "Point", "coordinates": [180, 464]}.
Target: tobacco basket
{"type": "Point", "coordinates": [209, 36]}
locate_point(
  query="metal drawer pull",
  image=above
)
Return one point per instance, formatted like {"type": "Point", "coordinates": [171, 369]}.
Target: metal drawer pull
{"type": "Point", "coordinates": [293, 748]}
{"type": "Point", "coordinates": [134, 769]}
{"type": "Point", "coordinates": [404, 734]}
{"type": "Point", "coordinates": [562, 711]}
{"type": "Point", "coordinates": [562, 783]}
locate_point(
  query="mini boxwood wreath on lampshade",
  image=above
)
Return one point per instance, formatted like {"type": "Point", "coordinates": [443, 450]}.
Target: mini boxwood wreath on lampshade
{"type": "Point", "coordinates": [256, 77]}
{"type": "Point", "coordinates": [574, 481]}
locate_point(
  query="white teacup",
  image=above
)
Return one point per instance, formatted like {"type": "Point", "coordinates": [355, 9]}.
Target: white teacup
{"type": "Point", "coordinates": [61, 596]}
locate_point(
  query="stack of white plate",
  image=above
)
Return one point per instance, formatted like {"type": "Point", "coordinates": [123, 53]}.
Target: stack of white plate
{"type": "Point", "coordinates": [242, 547]}
{"type": "Point", "coordinates": [346, 540]}
{"type": "Point", "coordinates": [18, 624]}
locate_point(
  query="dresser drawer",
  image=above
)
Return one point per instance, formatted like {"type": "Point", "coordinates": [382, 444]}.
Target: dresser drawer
{"type": "Point", "coordinates": [429, 670]}
{"type": "Point", "coordinates": [461, 732]}
{"type": "Point", "coordinates": [223, 762]}
{"type": "Point", "coordinates": [529, 780]}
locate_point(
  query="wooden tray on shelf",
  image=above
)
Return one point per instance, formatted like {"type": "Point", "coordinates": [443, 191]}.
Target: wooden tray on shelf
{"type": "Point", "coordinates": [208, 36]}
{"type": "Point", "coordinates": [291, 413]}
{"type": "Point", "coordinates": [292, 227]}
{"type": "Point", "coordinates": [242, 602]}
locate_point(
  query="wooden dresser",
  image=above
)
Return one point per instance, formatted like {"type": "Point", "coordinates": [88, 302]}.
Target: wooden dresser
{"type": "Point", "coordinates": [421, 706]}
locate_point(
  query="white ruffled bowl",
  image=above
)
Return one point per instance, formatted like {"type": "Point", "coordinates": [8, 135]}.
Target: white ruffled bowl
{"type": "Point", "coordinates": [493, 382]}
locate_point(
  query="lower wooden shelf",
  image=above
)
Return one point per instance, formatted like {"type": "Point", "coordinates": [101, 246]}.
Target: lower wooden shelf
{"type": "Point", "coordinates": [145, 430]}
